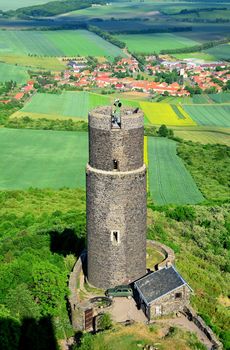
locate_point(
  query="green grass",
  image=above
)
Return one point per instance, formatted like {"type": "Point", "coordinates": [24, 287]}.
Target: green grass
{"type": "Point", "coordinates": [149, 43]}
{"type": "Point", "coordinates": [15, 4]}
{"type": "Point", "coordinates": [201, 56]}
{"type": "Point", "coordinates": [221, 52]}
{"type": "Point", "coordinates": [204, 137]}
{"type": "Point", "coordinates": [50, 63]}
{"type": "Point", "coordinates": [169, 180]}
{"type": "Point", "coordinates": [222, 97]}
{"type": "Point", "coordinates": [68, 104]}
{"type": "Point", "coordinates": [209, 165]}
{"type": "Point", "coordinates": [13, 72]}
{"type": "Point", "coordinates": [116, 10]}
{"type": "Point", "coordinates": [210, 115]}
{"type": "Point", "coordinates": [42, 159]}
{"type": "Point", "coordinates": [55, 43]}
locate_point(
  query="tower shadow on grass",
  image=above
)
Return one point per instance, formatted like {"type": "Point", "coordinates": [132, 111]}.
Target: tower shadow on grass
{"type": "Point", "coordinates": [66, 242]}
{"type": "Point", "coordinates": [31, 334]}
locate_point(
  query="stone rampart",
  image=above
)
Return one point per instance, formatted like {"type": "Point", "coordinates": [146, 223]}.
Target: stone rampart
{"type": "Point", "coordinates": [199, 322]}
{"type": "Point", "coordinates": [166, 251]}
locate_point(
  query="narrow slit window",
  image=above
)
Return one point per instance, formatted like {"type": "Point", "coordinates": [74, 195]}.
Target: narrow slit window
{"type": "Point", "coordinates": [115, 237]}
{"type": "Point", "coordinates": [115, 164]}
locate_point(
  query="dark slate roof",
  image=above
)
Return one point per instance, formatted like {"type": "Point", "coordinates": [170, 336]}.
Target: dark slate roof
{"type": "Point", "coordinates": [159, 283]}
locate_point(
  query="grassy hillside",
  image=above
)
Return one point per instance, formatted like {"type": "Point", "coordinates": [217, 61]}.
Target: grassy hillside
{"type": "Point", "coordinates": [42, 231]}
{"type": "Point", "coordinates": [169, 180]}
{"type": "Point", "coordinates": [209, 165]}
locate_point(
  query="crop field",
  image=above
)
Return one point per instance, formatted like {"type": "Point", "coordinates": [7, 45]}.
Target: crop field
{"type": "Point", "coordinates": [221, 52]}
{"type": "Point", "coordinates": [173, 100]}
{"type": "Point", "coordinates": [55, 159]}
{"type": "Point", "coordinates": [210, 115]}
{"type": "Point", "coordinates": [200, 56]}
{"type": "Point", "coordinates": [42, 159]}
{"type": "Point", "coordinates": [56, 43]}
{"type": "Point", "coordinates": [163, 113]}
{"type": "Point", "coordinates": [150, 43]}
{"type": "Point", "coordinates": [204, 137]}
{"type": "Point", "coordinates": [223, 97]}
{"type": "Point", "coordinates": [169, 180]}
{"type": "Point", "coordinates": [15, 4]}
{"type": "Point", "coordinates": [68, 104]}
{"type": "Point", "coordinates": [12, 72]}
{"type": "Point", "coordinates": [117, 10]}
{"type": "Point", "coordinates": [50, 63]}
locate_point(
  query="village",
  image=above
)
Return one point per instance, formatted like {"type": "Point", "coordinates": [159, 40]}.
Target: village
{"type": "Point", "coordinates": [152, 75]}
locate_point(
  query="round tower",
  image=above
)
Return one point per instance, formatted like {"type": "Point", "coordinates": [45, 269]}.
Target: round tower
{"type": "Point", "coordinates": [116, 197]}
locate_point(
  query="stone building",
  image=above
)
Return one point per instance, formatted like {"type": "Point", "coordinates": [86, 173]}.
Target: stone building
{"type": "Point", "coordinates": [162, 292]}
{"type": "Point", "coordinates": [116, 197]}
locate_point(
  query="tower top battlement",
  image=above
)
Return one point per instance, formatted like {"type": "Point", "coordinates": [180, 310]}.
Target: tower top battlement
{"type": "Point", "coordinates": [116, 140]}
{"type": "Point", "coordinates": [102, 118]}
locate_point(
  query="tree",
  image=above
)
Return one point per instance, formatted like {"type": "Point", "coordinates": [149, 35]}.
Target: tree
{"type": "Point", "coordinates": [163, 131]}
{"type": "Point", "coordinates": [21, 303]}
{"type": "Point", "coordinates": [49, 287]}
{"type": "Point", "coordinates": [105, 322]}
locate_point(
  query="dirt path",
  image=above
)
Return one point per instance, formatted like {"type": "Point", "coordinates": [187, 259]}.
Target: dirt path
{"type": "Point", "coordinates": [184, 323]}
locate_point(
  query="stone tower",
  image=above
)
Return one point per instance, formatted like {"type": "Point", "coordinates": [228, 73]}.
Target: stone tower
{"type": "Point", "coordinates": [116, 197]}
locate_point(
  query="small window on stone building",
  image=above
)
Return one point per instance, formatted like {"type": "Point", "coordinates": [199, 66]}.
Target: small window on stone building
{"type": "Point", "coordinates": [115, 237]}
{"type": "Point", "coordinates": [178, 295]}
{"type": "Point", "coordinates": [115, 164]}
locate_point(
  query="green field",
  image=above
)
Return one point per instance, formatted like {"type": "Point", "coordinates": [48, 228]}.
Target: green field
{"type": "Point", "coordinates": [13, 72]}
{"type": "Point", "coordinates": [210, 115]}
{"type": "Point", "coordinates": [15, 4]}
{"type": "Point", "coordinates": [50, 63]}
{"type": "Point", "coordinates": [150, 43]}
{"type": "Point", "coordinates": [204, 137]}
{"type": "Point", "coordinates": [55, 43]}
{"type": "Point", "coordinates": [116, 10]}
{"type": "Point", "coordinates": [221, 52]}
{"type": "Point", "coordinates": [200, 56]}
{"type": "Point", "coordinates": [56, 159]}
{"type": "Point", "coordinates": [169, 180]}
{"type": "Point", "coordinates": [42, 159]}
{"type": "Point", "coordinates": [222, 97]}
{"type": "Point", "coordinates": [68, 104]}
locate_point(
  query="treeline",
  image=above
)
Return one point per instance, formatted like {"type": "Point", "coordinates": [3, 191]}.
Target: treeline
{"type": "Point", "coordinates": [154, 30]}
{"type": "Point", "coordinates": [8, 109]}
{"type": "Point", "coordinates": [106, 36]}
{"type": "Point", "coordinates": [51, 8]}
{"type": "Point", "coordinates": [196, 48]}
{"type": "Point", "coordinates": [202, 20]}
{"type": "Point", "coordinates": [195, 11]}
{"type": "Point", "coordinates": [46, 124]}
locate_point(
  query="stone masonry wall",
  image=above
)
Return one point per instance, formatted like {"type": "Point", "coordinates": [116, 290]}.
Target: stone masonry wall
{"type": "Point", "coordinates": [199, 322]}
{"type": "Point", "coordinates": [105, 146]}
{"type": "Point", "coordinates": [116, 198]}
{"type": "Point", "coordinates": [116, 201]}
{"type": "Point", "coordinates": [169, 304]}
